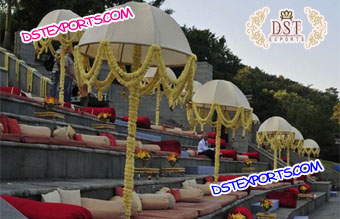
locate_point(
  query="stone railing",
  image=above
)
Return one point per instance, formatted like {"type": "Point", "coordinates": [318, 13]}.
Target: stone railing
{"type": "Point", "coordinates": [15, 73]}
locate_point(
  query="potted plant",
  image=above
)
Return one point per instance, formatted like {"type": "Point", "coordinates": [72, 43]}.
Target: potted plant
{"type": "Point", "coordinates": [172, 159]}
{"type": "Point", "coordinates": [104, 117]}
{"type": "Point", "coordinates": [236, 216]}
{"type": "Point", "coordinates": [248, 162]}
{"type": "Point", "coordinates": [266, 204]}
{"type": "Point", "coordinates": [49, 103]}
{"type": "Point", "coordinates": [143, 156]}
{"type": "Point", "coordinates": [303, 189]}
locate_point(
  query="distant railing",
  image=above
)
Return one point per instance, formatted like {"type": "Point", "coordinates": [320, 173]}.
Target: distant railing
{"type": "Point", "coordinates": [16, 73]}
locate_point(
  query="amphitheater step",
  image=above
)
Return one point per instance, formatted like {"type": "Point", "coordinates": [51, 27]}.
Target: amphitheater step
{"type": "Point", "coordinates": [27, 108]}
{"type": "Point", "coordinates": [92, 188]}
{"type": "Point", "coordinates": [304, 207]}
{"type": "Point", "coordinates": [41, 161]}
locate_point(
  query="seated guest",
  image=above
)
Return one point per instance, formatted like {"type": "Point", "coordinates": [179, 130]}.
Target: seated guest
{"type": "Point", "coordinates": [203, 148]}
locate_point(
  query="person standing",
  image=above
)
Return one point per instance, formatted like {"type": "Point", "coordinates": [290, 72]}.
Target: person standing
{"type": "Point", "coordinates": [55, 75]}
{"type": "Point", "coordinates": [203, 148]}
{"type": "Point", "coordinates": [69, 75]}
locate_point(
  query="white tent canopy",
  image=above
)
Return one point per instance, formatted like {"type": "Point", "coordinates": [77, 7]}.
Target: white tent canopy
{"type": "Point", "coordinates": [150, 26]}
{"type": "Point", "coordinates": [298, 135]}
{"type": "Point", "coordinates": [152, 71]}
{"type": "Point", "coordinates": [56, 17]}
{"type": "Point", "coordinates": [310, 143]}
{"type": "Point", "coordinates": [255, 118]}
{"type": "Point", "coordinates": [221, 92]}
{"type": "Point", "coordinates": [274, 124]}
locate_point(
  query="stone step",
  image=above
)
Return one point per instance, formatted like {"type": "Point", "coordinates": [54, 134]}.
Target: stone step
{"type": "Point", "coordinates": [95, 188]}
{"type": "Point", "coordinates": [304, 207]}
{"type": "Point", "coordinates": [27, 108]}
{"type": "Point", "coordinates": [42, 161]}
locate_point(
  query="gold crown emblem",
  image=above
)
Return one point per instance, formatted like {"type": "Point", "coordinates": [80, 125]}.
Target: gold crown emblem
{"type": "Point", "coordinates": [286, 15]}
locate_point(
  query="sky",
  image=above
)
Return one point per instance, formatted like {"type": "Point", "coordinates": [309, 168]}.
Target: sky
{"type": "Point", "coordinates": [318, 67]}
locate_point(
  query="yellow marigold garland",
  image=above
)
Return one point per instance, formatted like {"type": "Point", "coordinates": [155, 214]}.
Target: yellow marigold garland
{"type": "Point", "coordinates": [30, 79]}
{"type": "Point", "coordinates": [197, 115]}
{"type": "Point", "coordinates": [45, 45]}
{"type": "Point", "coordinates": [17, 68]}
{"type": "Point", "coordinates": [309, 152]}
{"type": "Point", "coordinates": [171, 89]}
{"type": "Point", "coordinates": [277, 140]}
{"type": "Point", "coordinates": [43, 86]}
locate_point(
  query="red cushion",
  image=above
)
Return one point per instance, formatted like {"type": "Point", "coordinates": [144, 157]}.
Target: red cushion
{"type": "Point", "coordinates": [284, 159]}
{"type": "Point", "coordinates": [245, 211]}
{"type": "Point", "coordinates": [41, 210]}
{"type": "Point", "coordinates": [110, 137]}
{"type": "Point", "coordinates": [67, 142]}
{"type": "Point", "coordinates": [78, 137]}
{"type": "Point", "coordinates": [10, 137]}
{"type": "Point", "coordinates": [226, 178]}
{"type": "Point", "coordinates": [4, 123]}
{"type": "Point", "coordinates": [303, 177]}
{"type": "Point", "coordinates": [68, 105]}
{"type": "Point", "coordinates": [142, 121]}
{"type": "Point", "coordinates": [11, 90]}
{"type": "Point", "coordinates": [309, 189]}
{"type": "Point", "coordinates": [229, 153]}
{"type": "Point", "coordinates": [286, 199]}
{"type": "Point", "coordinates": [212, 143]}
{"type": "Point", "coordinates": [170, 145]}
{"type": "Point", "coordinates": [119, 191]}
{"type": "Point", "coordinates": [293, 189]}
{"type": "Point", "coordinates": [13, 126]}
{"type": "Point", "coordinates": [252, 155]}
{"type": "Point", "coordinates": [291, 181]}
{"type": "Point", "coordinates": [97, 110]}
{"type": "Point", "coordinates": [209, 179]}
{"type": "Point", "coordinates": [35, 139]}
{"type": "Point", "coordinates": [211, 135]}
{"type": "Point", "coordinates": [176, 193]}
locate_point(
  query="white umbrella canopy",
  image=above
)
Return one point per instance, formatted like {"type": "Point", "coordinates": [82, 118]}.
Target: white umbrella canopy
{"type": "Point", "coordinates": [150, 26]}
{"type": "Point", "coordinates": [310, 143]}
{"type": "Point", "coordinates": [221, 92]}
{"type": "Point", "coordinates": [152, 71]}
{"type": "Point", "coordinates": [298, 135]}
{"type": "Point", "coordinates": [56, 17]}
{"type": "Point", "coordinates": [275, 124]}
{"type": "Point", "coordinates": [255, 118]}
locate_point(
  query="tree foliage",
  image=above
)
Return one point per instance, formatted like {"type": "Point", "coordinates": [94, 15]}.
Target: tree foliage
{"type": "Point", "coordinates": [309, 110]}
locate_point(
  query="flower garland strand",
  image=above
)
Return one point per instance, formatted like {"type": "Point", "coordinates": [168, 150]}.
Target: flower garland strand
{"type": "Point", "coordinates": [45, 45]}
{"type": "Point", "coordinates": [133, 82]}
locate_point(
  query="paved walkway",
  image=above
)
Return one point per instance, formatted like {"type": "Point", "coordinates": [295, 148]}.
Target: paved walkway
{"type": "Point", "coordinates": [330, 210]}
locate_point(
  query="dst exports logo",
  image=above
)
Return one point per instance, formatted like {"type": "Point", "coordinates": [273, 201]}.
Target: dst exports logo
{"type": "Point", "coordinates": [286, 29]}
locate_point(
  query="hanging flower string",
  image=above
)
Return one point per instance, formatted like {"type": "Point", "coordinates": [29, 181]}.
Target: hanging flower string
{"type": "Point", "coordinates": [133, 81]}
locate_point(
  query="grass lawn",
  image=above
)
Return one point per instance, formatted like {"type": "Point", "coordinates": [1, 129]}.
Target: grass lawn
{"type": "Point", "coordinates": [327, 163]}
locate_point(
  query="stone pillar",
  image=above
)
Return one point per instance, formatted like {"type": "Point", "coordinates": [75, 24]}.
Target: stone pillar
{"type": "Point", "coordinates": [204, 72]}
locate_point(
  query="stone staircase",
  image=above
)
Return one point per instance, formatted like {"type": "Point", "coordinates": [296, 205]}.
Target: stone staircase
{"type": "Point", "coordinates": [28, 170]}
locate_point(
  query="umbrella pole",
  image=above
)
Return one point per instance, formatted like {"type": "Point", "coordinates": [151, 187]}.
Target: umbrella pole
{"type": "Point", "coordinates": [275, 157]}
{"type": "Point", "coordinates": [217, 149]}
{"type": "Point", "coordinates": [130, 149]}
{"type": "Point", "coordinates": [158, 101]}
{"type": "Point", "coordinates": [288, 157]}
{"type": "Point", "coordinates": [280, 152]}
{"type": "Point", "coordinates": [62, 74]}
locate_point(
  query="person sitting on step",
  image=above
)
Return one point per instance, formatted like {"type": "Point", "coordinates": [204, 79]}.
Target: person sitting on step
{"type": "Point", "coordinates": [203, 148]}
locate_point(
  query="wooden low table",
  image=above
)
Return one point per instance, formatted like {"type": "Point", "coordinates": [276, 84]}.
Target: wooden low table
{"type": "Point", "coordinates": [248, 169]}
{"type": "Point", "coordinates": [306, 196]}
{"type": "Point", "coordinates": [172, 171]}
{"type": "Point", "coordinates": [104, 126]}
{"type": "Point", "coordinates": [262, 215]}
{"type": "Point", "coordinates": [148, 172]}
{"type": "Point", "coordinates": [49, 115]}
